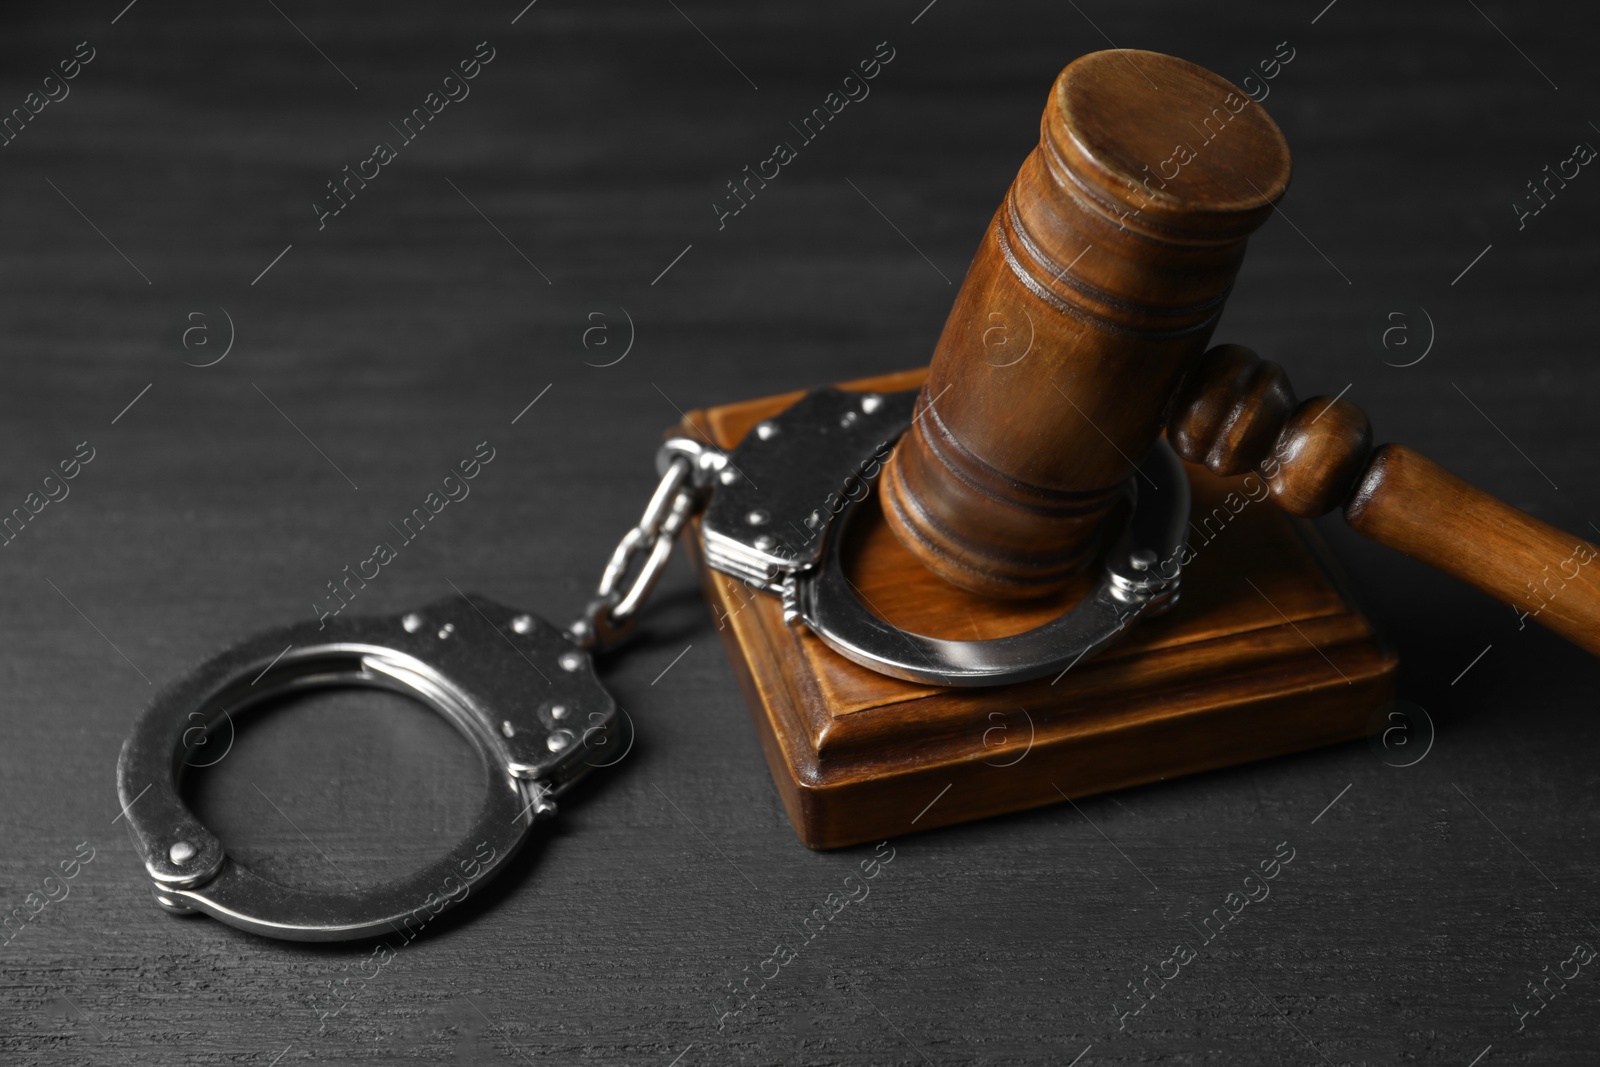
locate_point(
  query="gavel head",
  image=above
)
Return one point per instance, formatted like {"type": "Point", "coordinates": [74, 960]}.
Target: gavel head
{"type": "Point", "coordinates": [1096, 286]}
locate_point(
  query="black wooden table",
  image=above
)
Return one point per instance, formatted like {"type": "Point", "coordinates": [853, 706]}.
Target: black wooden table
{"type": "Point", "coordinates": [264, 385]}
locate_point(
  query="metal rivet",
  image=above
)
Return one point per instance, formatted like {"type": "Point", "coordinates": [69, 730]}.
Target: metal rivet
{"type": "Point", "coordinates": [542, 804]}
{"type": "Point", "coordinates": [766, 430]}
{"type": "Point", "coordinates": [559, 740]}
{"type": "Point", "coordinates": [765, 542]}
{"type": "Point", "coordinates": [758, 517]}
{"type": "Point", "coordinates": [522, 623]}
{"type": "Point", "coordinates": [412, 622]}
{"type": "Point", "coordinates": [871, 402]}
{"type": "Point", "coordinates": [182, 852]}
{"type": "Point", "coordinates": [558, 711]}
{"type": "Point", "coordinates": [1142, 559]}
{"type": "Point", "coordinates": [507, 729]}
{"type": "Point", "coordinates": [570, 661]}
{"type": "Point", "coordinates": [446, 630]}
{"type": "Point", "coordinates": [728, 476]}
{"type": "Point", "coordinates": [847, 419]}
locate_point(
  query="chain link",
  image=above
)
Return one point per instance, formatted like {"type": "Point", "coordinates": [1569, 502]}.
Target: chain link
{"type": "Point", "coordinates": [687, 470]}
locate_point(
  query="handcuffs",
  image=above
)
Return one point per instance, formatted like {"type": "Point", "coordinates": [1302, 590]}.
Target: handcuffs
{"type": "Point", "coordinates": [774, 514]}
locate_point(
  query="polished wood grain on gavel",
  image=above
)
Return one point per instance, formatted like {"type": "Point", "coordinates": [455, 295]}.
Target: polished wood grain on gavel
{"type": "Point", "coordinates": [1107, 265]}
{"type": "Point", "coordinates": [1104, 272]}
{"type": "Point", "coordinates": [1080, 334]}
{"type": "Point", "coordinates": [1236, 414]}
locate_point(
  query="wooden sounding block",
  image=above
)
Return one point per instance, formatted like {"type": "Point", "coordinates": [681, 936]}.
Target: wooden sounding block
{"type": "Point", "coordinates": [1263, 655]}
{"type": "Point", "coordinates": [1011, 489]}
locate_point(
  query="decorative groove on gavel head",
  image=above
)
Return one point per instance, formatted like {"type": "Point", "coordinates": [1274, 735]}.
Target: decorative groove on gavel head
{"type": "Point", "coordinates": [1236, 412]}
{"type": "Point", "coordinates": [1096, 285]}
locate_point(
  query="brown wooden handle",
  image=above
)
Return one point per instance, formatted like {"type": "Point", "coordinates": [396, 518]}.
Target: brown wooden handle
{"type": "Point", "coordinates": [1236, 413]}
{"type": "Point", "coordinates": [1407, 501]}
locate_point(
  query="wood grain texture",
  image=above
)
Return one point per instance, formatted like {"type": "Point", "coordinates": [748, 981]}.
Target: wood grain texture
{"type": "Point", "coordinates": [408, 330]}
{"type": "Point", "coordinates": [1408, 502]}
{"type": "Point", "coordinates": [1238, 670]}
{"type": "Point", "coordinates": [1230, 410]}
{"type": "Point", "coordinates": [1233, 414]}
{"type": "Point", "coordinates": [1099, 281]}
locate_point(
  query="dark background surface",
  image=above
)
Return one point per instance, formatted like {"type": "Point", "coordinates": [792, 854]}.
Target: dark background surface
{"type": "Point", "coordinates": [408, 330]}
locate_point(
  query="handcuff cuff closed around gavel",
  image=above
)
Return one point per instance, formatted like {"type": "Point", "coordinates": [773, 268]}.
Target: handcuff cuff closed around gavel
{"type": "Point", "coordinates": [774, 513]}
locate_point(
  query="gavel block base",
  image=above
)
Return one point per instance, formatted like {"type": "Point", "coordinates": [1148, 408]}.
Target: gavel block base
{"type": "Point", "coordinates": [1264, 654]}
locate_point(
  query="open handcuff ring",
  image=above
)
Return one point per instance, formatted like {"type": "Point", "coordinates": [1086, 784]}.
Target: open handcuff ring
{"type": "Point", "coordinates": [774, 514]}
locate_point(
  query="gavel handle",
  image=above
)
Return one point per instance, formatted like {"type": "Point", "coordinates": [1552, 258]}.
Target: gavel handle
{"type": "Point", "coordinates": [1236, 413]}
{"type": "Point", "coordinates": [1408, 502]}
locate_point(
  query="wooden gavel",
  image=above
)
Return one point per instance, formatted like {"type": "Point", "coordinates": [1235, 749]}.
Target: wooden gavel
{"type": "Point", "coordinates": [1078, 335]}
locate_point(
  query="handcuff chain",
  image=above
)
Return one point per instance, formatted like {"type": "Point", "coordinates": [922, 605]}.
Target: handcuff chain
{"type": "Point", "coordinates": [687, 469]}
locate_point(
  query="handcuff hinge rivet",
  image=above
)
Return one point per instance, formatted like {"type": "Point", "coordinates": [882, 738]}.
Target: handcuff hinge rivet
{"type": "Point", "coordinates": [522, 623]}
{"type": "Point", "coordinates": [464, 675]}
